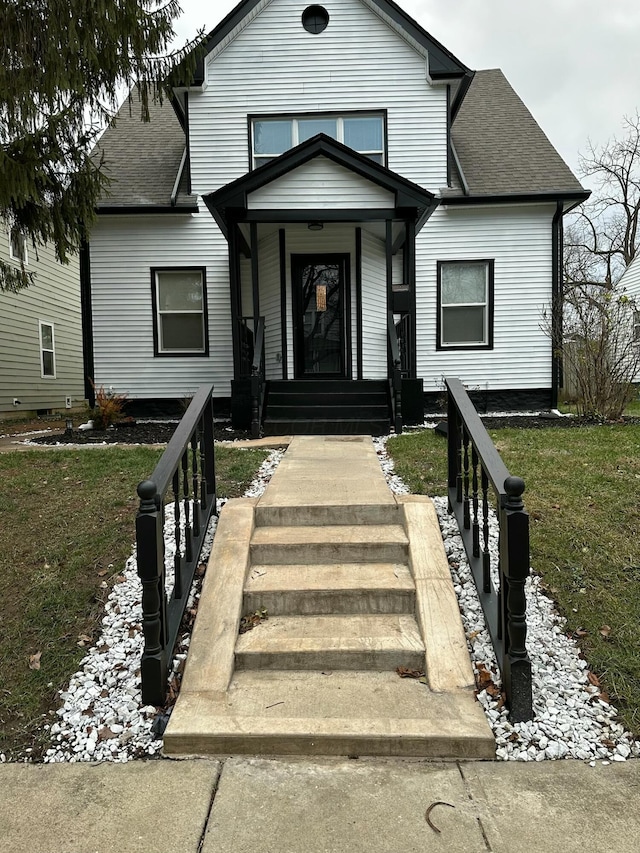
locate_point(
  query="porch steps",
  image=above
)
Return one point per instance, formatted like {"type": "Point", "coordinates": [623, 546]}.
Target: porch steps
{"type": "Point", "coordinates": [327, 407]}
{"type": "Point", "coordinates": [348, 599]}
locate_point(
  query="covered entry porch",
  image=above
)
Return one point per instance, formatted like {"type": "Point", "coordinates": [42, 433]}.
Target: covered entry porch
{"type": "Point", "coordinates": [322, 290]}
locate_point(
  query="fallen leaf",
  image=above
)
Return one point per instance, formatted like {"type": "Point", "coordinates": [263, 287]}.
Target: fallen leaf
{"type": "Point", "coordinates": [605, 631]}
{"type": "Point", "coordinates": [102, 573]}
{"type": "Point", "coordinates": [593, 679]}
{"type": "Point", "coordinates": [555, 506]}
{"type": "Point", "coordinates": [105, 733]}
{"type": "Point", "coordinates": [34, 660]}
{"type": "Point", "coordinates": [579, 633]}
{"type": "Point", "coordinates": [83, 639]}
{"type": "Point", "coordinates": [405, 672]}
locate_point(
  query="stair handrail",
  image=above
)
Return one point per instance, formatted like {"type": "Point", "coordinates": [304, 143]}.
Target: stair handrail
{"type": "Point", "coordinates": [185, 473]}
{"type": "Point", "coordinates": [395, 377]}
{"type": "Point", "coordinates": [257, 378]}
{"type": "Point", "coordinates": [474, 465]}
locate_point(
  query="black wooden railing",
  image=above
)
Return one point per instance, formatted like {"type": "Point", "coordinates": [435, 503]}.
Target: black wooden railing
{"type": "Point", "coordinates": [395, 375]}
{"type": "Point", "coordinates": [257, 379]}
{"type": "Point", "coordinates": [475, 468]}
{"type": "Point", "coordinates": [246, 347]}
{"type": "Point", "coordinates": [185, 477]}
{"type": "Point", "coordinates": [403, 332]}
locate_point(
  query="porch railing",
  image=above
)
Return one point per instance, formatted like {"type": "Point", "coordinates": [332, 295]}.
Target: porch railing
{"type": "Point", "coordinates": [395, 374]}
{"type": "Point", "coordinates": [403, 332]}
{"type": "Point", "coordinates": [176, 504]}
{"type": "Point", "coordinates": [474, 469]}
{"type": "Point", "coordinates": [257, 379]}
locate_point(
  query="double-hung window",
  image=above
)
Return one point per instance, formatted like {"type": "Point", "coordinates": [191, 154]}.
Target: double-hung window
{"type": "Point", "coordinates": [18, 247]}
{"type": "Point", "coordinates": [272, 136]}
{"type": "Point", "coordinates": [47, 350]}
{"type": "Point", "coordinates": [465, 304]}
{"type": "Point", "coordinates": [180, 311]}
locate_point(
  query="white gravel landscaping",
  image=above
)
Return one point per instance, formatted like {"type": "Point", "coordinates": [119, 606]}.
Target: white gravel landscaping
{"type": "Point", "coordinates": [571, 721]}
{"type": "Point", "coordinates": [102, 717]}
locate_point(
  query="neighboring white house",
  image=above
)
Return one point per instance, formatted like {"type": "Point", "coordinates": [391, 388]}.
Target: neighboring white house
{"type": "Point", "coordinates": [41, 359]}
{"type": "Point", "coordinates": [329, 165]}
{"type": "Point", "coordinates": [630, 283]}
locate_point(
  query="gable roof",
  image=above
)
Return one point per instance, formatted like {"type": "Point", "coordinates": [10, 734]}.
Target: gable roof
{"type": "Point", "coordinates": [234, 195]}
{"type": "Point", "coordinates": [501, 148]}
{"type": "Point", "coordinates": [143, 160]}
{"type": "Point", "coordinates": [442, 63]}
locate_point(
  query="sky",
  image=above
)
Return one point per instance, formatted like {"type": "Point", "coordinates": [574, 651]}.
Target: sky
{"type": "Point", "coordinates": [574, 63]}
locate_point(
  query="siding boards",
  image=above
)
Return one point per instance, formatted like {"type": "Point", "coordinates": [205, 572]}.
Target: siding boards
{"type": "Point", "coordinates": [275, 66]}
{"type": "Point", "coordinates": [519, 240]}
{"type": "Point", "coordinates": [320, 184]}
{"type": "Point", "coordinates": [123, 250]}
{"type": "Point", "coordinates": [270, 304]}
{"type": "Point", "coordinates": [374, 308]}
{"type": "Point", "coordinates": [53, 298]}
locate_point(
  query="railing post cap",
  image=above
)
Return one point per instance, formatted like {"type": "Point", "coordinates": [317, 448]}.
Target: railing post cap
{"type": "Point", "coordinates": [147, 490]}
{"type": "Point", "coordinates": [514, 486]}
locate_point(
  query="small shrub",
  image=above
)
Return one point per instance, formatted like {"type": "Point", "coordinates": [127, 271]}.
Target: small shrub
{"type": "Point", "coordinates": [108, 408]}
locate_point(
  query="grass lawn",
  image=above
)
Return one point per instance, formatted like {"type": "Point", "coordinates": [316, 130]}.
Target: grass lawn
{"type": "Point", "coordinates": [67, 520]}
{"type": "Point", "coordinates": [583, 496]}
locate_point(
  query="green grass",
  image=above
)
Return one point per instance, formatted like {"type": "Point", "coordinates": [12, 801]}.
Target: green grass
{"type": "Point", "coordinates": [67, 521]}
{"type": "Point", "coordinates": [583, 490]}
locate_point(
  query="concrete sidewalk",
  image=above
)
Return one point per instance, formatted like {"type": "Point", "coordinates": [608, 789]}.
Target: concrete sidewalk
{"type": "Point", "coordinates": [252, 805]}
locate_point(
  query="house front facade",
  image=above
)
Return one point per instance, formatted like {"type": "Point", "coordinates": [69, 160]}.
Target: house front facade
{"type": "Point", "coordinates": [333, 196]}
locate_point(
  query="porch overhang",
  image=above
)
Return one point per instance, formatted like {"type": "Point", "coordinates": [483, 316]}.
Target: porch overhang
{"type": "Point", "coordinates": [408, 201]}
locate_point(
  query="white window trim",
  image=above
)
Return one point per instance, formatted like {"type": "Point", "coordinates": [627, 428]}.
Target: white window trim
{"type": "Point", "coordinates": [44, 349]}
{"type": "Point", "coordinates": [23, 240]}
{"type": "Point", "coordinates": [260, 159]}
{"type": "Point", "coordinates": [159, 313]}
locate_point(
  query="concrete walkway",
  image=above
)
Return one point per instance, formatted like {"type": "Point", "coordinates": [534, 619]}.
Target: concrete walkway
{"type": "Point", "coordinates": [250, 805]}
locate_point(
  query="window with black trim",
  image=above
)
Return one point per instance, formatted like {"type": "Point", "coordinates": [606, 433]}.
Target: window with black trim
{"type": "Point", "coordinates": [272, 136]}
{"type": "Point", "coordinates": [18, 247]}
{"type": "Point", "coordinates": [179, 299]}
{"type": "Point", "coordinates": [47, 350]}
{"type": "Point", "coordinates": [465, 304]}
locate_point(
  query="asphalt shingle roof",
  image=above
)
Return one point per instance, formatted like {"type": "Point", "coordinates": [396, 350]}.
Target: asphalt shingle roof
{"type": "Point", "coordinates": [501, 147]}
{"type": "Point", "coordinates": [142, 158]}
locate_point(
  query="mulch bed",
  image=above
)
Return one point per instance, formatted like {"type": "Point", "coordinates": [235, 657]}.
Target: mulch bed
{"type": "Point", "coordinates": [158, 432]}
{"type": "Point", "coordinates": [161, 431]}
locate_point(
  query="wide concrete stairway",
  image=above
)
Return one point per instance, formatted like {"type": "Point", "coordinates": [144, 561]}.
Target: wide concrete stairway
{"type": "Point", "coordinates": [345, 584]}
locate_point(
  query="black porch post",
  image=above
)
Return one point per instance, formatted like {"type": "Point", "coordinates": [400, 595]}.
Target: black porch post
{"type": "Point", "coordinates": [255, 281]}
{"type": "Point", "coordinates": [234, 285]}
{"type": "Point", "coordinates": [359, 364]}
{"type": "Point", "coordinates": [410, 281]}
{"type": "Point", "coordinates": [389, 260]}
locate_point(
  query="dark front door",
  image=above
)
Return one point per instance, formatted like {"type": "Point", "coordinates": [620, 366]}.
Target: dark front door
{"type": "Point", "coordinates": [319, 300]}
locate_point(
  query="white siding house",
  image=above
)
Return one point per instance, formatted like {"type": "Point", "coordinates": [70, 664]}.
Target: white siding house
{"type": "Point", "coordinates": [41, 365]}
{"type": "Point", "coordinates": [330, 173]}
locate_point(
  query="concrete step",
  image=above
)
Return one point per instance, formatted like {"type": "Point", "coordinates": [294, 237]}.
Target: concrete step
{"type": "Point", "coordinates": [303, 544]}
{"type": "Point", "coordinates": [327, 514]}
{"type": "Point", "coordinates": [324, 643]}
{"type": "Point", "coordinates": [373, 588]}
{"type": "Point", "coordinates": [330, 713]}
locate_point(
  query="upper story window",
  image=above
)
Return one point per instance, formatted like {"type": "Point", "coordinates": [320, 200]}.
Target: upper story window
{"type": "Point", "coordinates": [18, 247]}
{"type": "Point", "coordinates": [271, 137]}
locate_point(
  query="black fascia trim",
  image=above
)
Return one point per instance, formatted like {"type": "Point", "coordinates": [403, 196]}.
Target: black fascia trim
{"type": "Point", "coordinates": [440, 347]}
{"type": "Point", "coordinates": [510, 198]}
{"type": "Point", "coordinates": [86, 310]}
{"type": "Point", "coordinates": [445, 65]}
{"type": "Point", "coordinates": [235, 193]}
{"type": "Point", "coordinates": [179, 111]}
{"type": "Point", "coordinates": [154, 307]}
{"type": "Point", "coordinates": [383, 112]}
{"type": "Point", "coordinates": [365, 214]}
{"type": "Point", "coordinates": [556, 303]}
{"type": "Point", "coordinates": [127, 210]}
{"type": "Point", "coordinates": [461, 93]}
